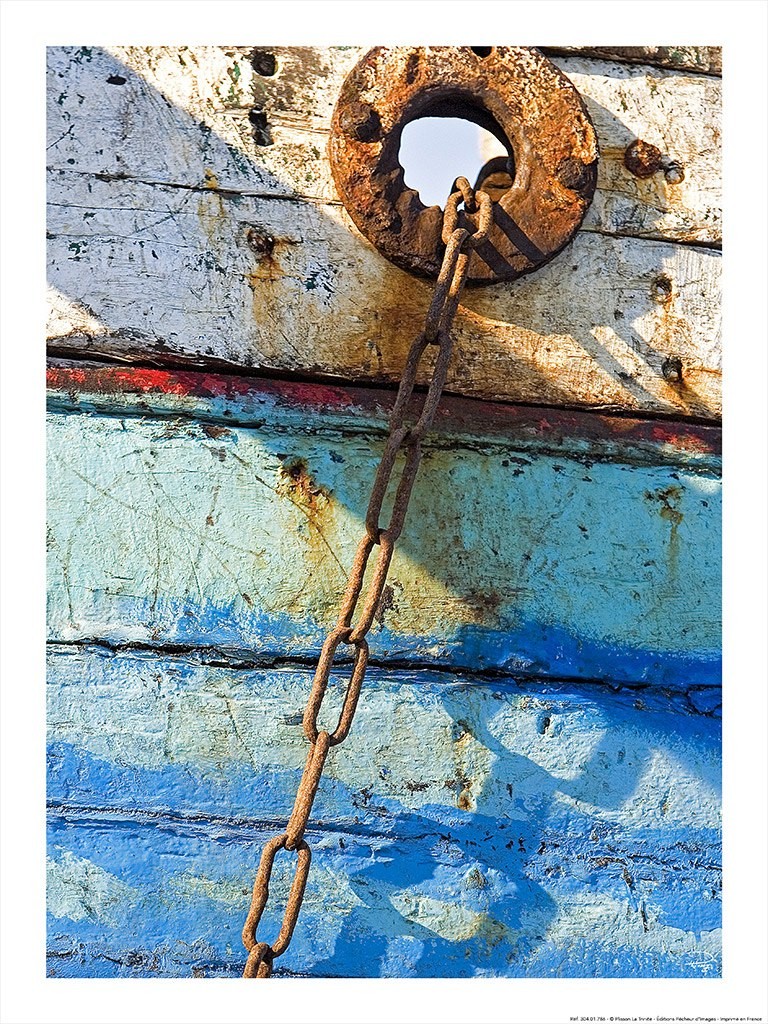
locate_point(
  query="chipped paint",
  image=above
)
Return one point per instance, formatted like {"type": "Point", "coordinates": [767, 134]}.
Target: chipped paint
{"type": "Point", "coordinates": [532, 788]}
{"type": "Point", "coordinates": [79, 890]}
{"type": "Point", "coordinates": [593, 844]}
{"type": "Point", "coordinates": [287, 511]}
{"type": "Point", "coordinates": [170, 276]}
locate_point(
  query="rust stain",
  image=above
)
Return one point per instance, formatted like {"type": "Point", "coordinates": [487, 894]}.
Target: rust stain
{"type": "Point", "coordinates": [214, 431]}
{"type": "Point", "coordinates": [668, 499]}
{"type": "Point", "coordinates": [314, 501]}
{"type": "Point", "coordinates": [465, 801]}
{"type": "Point", "coordinates": [296, 483]}
{"type": "Point", "coordinates": [387, 601]}
{"type": "Point", "coordinates": [211, 181]}
{"type": "Point", "coordinates": [464, 751]}
{"type": "Point", "coordinates": [268, 249]}
{"type": "Point", "coordinates": [483, 605]}
{"type": "Point", "coordinates": [671, 339]}
{"type": "Point", "coordinates": [662, 290]}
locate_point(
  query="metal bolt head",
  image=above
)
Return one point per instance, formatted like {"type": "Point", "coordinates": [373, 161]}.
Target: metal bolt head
{"type": "Point", "coordinates": [674, 172]}
{"type": "Point", "coordinates": [642, 158]}
{"type": "Point", "coordinates": [361, 121]}
{"type": "Point", "coordinates": [661, 289]}
{"type": "Point", "coordinates": [672, 369]}
{"type": "Point", "coordinates": [260, 241]}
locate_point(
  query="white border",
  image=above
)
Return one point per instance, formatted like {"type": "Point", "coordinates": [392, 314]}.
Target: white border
{"type": "Point", "coordinates": [740, 26]}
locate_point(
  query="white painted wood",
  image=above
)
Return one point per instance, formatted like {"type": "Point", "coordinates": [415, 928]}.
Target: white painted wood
{"type": "Point", "coordinates": [142, 271]}
{"type": "Point", "coordinates": [181, 116]}
{"type": "Point", "coordinates": [706, 60]}
{"type": "Point", "coordinates": [680, 114]}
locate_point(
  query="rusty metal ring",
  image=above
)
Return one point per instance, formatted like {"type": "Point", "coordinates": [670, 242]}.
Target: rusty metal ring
{"type": "Point", "coordinates": [514, 92]}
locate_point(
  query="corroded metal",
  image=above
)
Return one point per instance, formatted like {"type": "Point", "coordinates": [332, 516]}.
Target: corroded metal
{"type": "Point", "coordinates": [642, 158]}
{"type": "Point", "coordinates": [512, 91]}
{"type": "Point", "coordinates": [453, 274]}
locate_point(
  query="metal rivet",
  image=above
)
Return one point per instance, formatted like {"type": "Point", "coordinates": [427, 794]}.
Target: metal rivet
{"type": "Point", "coordinates": [674, 172]}
{"type": "Point", "coordinates": [264, 63]}
{"type": "Point", "coordinates": [672, 369]}
{"type": "Point", "coordinates": [361, 121]}
{"type": "Point", "coordinates": [261, 242]}
{"type": "Point", "coordinates": [661, 289]}
{"type": "Point", "coordinates": [642, 158]}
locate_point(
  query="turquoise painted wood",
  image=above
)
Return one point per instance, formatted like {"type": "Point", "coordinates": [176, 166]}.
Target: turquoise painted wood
{"type": "Point", "coordinates": [526, 549]}
{"type": "Point", "coordinates": [470, 827]}
{"type": "Point", "coordinates": [532, 785]}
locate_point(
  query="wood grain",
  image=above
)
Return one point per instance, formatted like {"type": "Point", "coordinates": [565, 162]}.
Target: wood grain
{"type": "Point", "coordinates": [704, 59]}
{"type": "Point", "coordinates": [523, 551]}
{"type": "Point", "coordinates": [531, 787]}
{"type": "Point", "coordinates": [175, 237]}
{"type": "Point", "coordinates": [143, 272]}
{"type": "Point", "coordinates": [181, 115]}
{"type": "Point", "coordinates": [482, 830]}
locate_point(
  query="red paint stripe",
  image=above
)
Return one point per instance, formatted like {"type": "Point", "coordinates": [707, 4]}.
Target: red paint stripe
{"type": "Point", "coordinates": [110, 380]}
{"type": "Point", "coordinates": [471, 415]}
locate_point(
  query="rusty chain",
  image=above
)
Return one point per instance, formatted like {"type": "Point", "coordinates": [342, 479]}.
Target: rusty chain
{"type": "Point", "coordinates": [437, 331]}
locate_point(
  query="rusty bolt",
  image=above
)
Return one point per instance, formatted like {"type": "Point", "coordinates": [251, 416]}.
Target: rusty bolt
{"type": "Point", "coordinates": [361, 121]}
{"type": "Point", "coordinates": [642, 158]}
{"type": "Point", "coordinates": [674, 172]}
{"type": "Point", "coordinates": [575, 175]}
{"type": "Point", "coordinates": [260, 241]}
{"type": "Point", "coordinates": [672, 369]}
{"type": "Point", "coordinates": [264, 62]}
{"type": "Point", "coordinates": [661, 289]}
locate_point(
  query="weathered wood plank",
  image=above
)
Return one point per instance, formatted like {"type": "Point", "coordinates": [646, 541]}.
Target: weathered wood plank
{"type": "Point", "coordinates": [704, 59]}
{"type": "Point", "coordinates": [206, 117]}
{"type": "Point", "coordinates": [681, 116]}
{"type": "Point", "coordinates": [153, 899]}
{"type": "Point", "coordinates": [194, 735]}
{"type": "Point", "coordinates": [520, 553]}
{"type": "Point", "coordinates": [466, 828]}
{"type": "Point", "coordinates": [143, 272]}
{"type": "Point", "coordinates": [80, 386]}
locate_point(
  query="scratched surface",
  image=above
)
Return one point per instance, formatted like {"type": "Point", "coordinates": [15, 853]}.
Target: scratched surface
{"type": "Point", "coordinates": [474, 825]}
{"type": "Point", "coordinates": [470, 827]}
{"type": "Point", "coordinates": [523, 554]}
{"type": "Point", "coordinates": [181, 115]}
{"type": "Point", "coordinates": [531, 787]}
{"type": "Point", "coordinates": [176, 236]}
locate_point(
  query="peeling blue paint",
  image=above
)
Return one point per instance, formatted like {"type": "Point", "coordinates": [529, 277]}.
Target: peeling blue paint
{"type": "Point", "coordinates": [405, 881]}
{"type": "Point", "coordinates": [545, 573]}
{"type": "Point", "coordinates": [548, 807]}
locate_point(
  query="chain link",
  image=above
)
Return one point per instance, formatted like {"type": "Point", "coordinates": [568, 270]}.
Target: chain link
{"type": "Point", "coordinates": [437, 331]}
